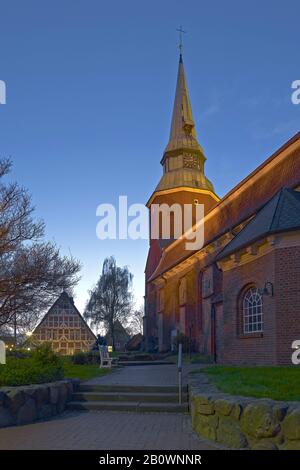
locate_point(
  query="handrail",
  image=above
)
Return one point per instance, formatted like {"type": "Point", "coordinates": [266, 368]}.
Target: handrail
{"type": "Point", "coordinates": [179, 365]}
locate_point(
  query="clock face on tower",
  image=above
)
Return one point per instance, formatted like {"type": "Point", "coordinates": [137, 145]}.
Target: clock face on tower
{"type": "Point", "coordinates": [191, 161]}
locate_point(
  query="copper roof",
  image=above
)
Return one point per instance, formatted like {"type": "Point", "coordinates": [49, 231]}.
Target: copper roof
{"type": "Point", "coordinates": [183, 145]}
{"type": "Point", "coordinates": [183, 131]}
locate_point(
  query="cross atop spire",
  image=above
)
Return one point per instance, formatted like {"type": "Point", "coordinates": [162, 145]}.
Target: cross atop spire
{"type": "Point", "coordinates": [181, 32]}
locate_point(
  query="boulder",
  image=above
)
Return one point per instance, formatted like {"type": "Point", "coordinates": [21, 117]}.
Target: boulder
{"type": "Point", "coordinates": [42, 396]}
{"type": "Point", "coordinates": [193, 411]}
{"type": "Point", "coordinates": [31, 391]}
{"type": "Point", "coordinates": [290, 445]}
{"type": "Point", "coordinates": [205, 409]}
{"type": "Point", "coordinates": [280, 410]}
{"type": "Point", "coordinates": [69, 386]}
{"type": "Point", "coordinates": [223, 407]}
{"type": "Point", "coordinates": [201, 399]}
{"type": "Point", "coordinates": [236, 411]}
{"type": "Point", "coordinates": [54, 394]}
{"type": "Point", "coordinates": [291, 425]}
{"type": "Point", "coordinates": [62, 398]}
{"type": "Point", "coordinates": [259, 420]}
{"type": "Point", "coordinates": [2, 398]}
{"type": "Point", "coordinates": [15, 399]}
{"type": "Point", "coordinates": [206, 426]}
{"type": "Point", "coordinates": [45, 412]}
{"type": "Point", "coordinates": [27, 413]}
{"type": "Point", "coordinates": [6, 417]}
{"type": "Point", "coordinates": [264, 445]}
{"type": "Point", "coordinates": [53, 410]}
{"type": "Point", "coordinates": [229, 434]}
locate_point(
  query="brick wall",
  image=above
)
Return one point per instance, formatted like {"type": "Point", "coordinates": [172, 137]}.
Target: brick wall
{"type": "Point", "coordinates": [254, 348]}
{"type": "Point", "coordinates": [287, 294]}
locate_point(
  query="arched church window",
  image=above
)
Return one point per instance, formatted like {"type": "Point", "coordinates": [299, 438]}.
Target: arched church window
{"type": "Point", "coordinates": [252, 311]}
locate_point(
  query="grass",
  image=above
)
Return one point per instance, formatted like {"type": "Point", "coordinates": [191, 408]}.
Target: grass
{"type": "Point", "coordinates": [278, 383]}
{"type": "Point", "coordinates": [82, 372]}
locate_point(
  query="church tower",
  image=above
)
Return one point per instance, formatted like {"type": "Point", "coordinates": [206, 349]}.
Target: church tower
{"type": "Point", "coordinates": [183, 180]}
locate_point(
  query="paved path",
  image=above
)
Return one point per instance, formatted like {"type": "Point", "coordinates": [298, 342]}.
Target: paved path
{"type": "Point", "coordinates": [145, 375]}
{"type": "Point", "coordinates": [106, 430]}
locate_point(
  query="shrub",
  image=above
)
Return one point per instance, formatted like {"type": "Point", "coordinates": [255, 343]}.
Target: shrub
{"type": "Point", "coordinates": [27, 371]}
{"type": "Point", "coordinates": [43, 366]}
{"type": "Point", "coordinates": [43, 354]}
{"type": "Point", "coordinates": [79, 358]}
{"type": "Point", "coordinates": [90, 357]}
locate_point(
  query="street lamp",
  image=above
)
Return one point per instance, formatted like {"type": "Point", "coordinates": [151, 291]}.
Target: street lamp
{"type": "Point", "coordinates": [268, 289]}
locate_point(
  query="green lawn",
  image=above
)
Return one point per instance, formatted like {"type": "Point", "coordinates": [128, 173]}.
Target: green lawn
{"type": "Point", "coordinates": [82, 372]}
{"type": "Point", "coordinates": [279, 383]}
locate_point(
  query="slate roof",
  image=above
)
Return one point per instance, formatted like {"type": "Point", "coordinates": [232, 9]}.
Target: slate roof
{"type": "Point", "coordinates": [279, 214]}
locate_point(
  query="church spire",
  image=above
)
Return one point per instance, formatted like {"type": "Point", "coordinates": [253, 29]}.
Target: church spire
{"type": "Point", "coordinates": [183, 131]}
{"type": "Point", "coordinates": [183, 159]}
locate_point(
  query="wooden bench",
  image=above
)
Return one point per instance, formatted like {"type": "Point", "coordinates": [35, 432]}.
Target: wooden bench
{"type": "Point", "coordinates": [105, 359]}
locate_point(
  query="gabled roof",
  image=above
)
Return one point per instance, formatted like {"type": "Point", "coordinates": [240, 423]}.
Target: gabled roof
{"type": "Point", "coordinates": [279, 214]}
{"type": "Point", "coordinates": [64, 296]}
{"type": "Point", "coordinates": [120, 332]}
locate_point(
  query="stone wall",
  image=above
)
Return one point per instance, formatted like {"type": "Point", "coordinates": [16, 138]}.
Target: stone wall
{"type": "Point", "coordinates": [29, 403]}
{"type": "Point", "coordinates": [241, 422]}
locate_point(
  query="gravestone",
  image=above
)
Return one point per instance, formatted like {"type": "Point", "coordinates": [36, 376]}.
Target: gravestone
{"type": "Point", "coordinates": [2, 353]}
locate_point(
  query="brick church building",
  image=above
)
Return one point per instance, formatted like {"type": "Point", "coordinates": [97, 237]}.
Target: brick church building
{"type": "Point", "coordinates": [237, 299]}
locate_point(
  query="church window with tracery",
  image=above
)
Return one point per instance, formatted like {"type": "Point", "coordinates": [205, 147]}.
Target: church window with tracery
{"type": "Point", "coordinates": [252, 311]}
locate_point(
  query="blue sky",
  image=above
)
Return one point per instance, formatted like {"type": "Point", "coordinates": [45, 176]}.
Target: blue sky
{"type": "Point", "coordinates": [90, 88]}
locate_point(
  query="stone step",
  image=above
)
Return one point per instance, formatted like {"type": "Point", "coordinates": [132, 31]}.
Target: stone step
{"type": "Point", "coordinates": [131, 388]}
{"type": "Point", "coordinates": [148, 397]}
{"type": "Point", "coordinates": [127, 406]}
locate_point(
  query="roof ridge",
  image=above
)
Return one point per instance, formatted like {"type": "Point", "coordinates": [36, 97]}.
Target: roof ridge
{"type": "Point", "coordinates": [290, 196]}
{"type": "Point", "coordinates": [278, 204]}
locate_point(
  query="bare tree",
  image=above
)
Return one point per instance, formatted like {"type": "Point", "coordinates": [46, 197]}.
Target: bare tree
{"type": "Point", "coordinates": [135, 323]}
{"type": "Point", "coordinates": [32, 272]}
{"type": "Point", "coordinates": [111, 299]}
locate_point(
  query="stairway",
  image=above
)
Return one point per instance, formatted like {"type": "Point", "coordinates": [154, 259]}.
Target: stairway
{"type": "Point", "coordinates": [129, 398]}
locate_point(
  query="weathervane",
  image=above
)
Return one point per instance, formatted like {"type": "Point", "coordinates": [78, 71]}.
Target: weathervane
{"type": "Point", "coordinates": [181, 31]}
